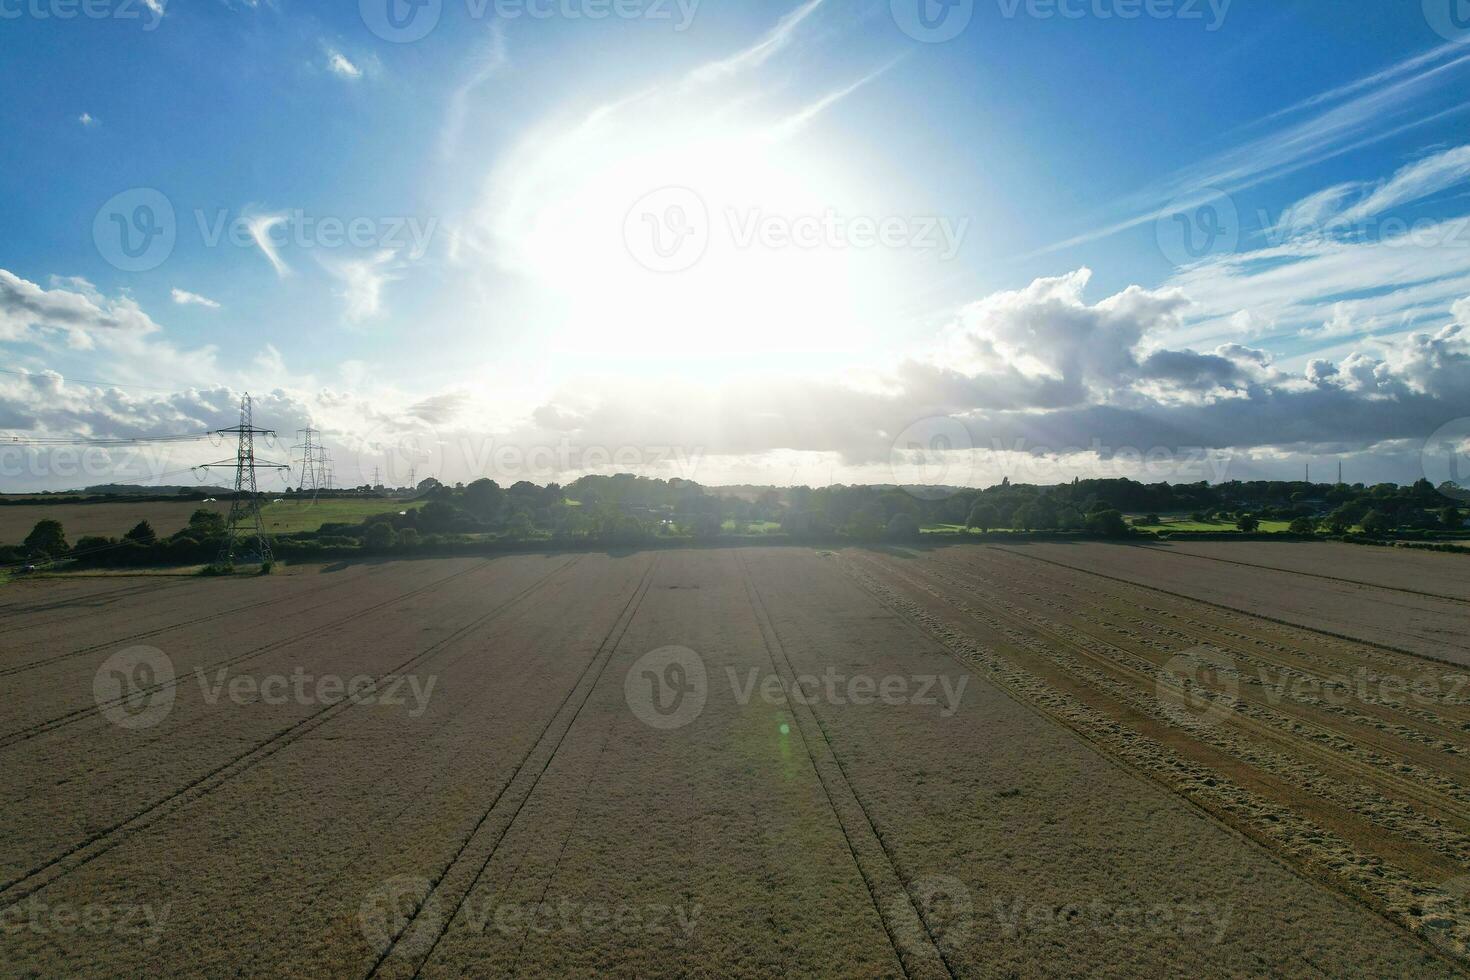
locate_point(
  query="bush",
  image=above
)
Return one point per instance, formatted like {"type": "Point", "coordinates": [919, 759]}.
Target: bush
{"type": "Point", "coordinates": [1303, 525]}
{"type": "Point", "coordinates": [379, 537]}
{"type": "Point", "coordinates": [408, 538]}
{"type": "Point", "coordinates": [1248, 523]}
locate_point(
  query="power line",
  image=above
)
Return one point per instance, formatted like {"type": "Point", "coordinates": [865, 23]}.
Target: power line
{"type": "Point", "coordinates": [245, 516]}
{"type": "Point", "coordinates": [102, 384]}
{"type": "Point", "coordinates": [52, 442]}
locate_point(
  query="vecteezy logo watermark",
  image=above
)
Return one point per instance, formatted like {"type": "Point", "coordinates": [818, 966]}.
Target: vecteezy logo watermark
{"type": "Point", "coordinates": [405, 21]}
{"type": "Point", "coordinates": [1199, 687]}
{"type": "Point", "coordinates": [94, 919]}
{"type": "Point", "coordinates": [1211, 12]}
{"type": "Point", "coordinates": [831, 687]}
{"type": "Point", "coordinates": [1445, 460]}
{"type": "Point", "coordinates": [390, 691]}
{"type": "Point", "coordinates": [567, 917]}
{"type": "Point", "coordinates": [667, 688]}
{"type": "Point", "coordinates": [134, 688]}
{"type": "Point", "coordinates": [668, 230]}
{"type": "Point", "coordinates": [952, 917]}
{"type": "Point", "coordinates": [946, 911]}
{"type": "Point", "coordinates": [402, 908]}
{"type": "Point", "coordinates": [933, 456]}
{"type": "Point", "coordinates": [1195, 227]}
{"type": "Point", "coordinates": [143, 464]}
{"type": "Point", "coordinates": [932, 21]}
{"type": "Point", "coordinates": [401, 21]}
{"type": "Point", "coordinates": [150, 13]}
{"type": "Point", "coordinates": [1450, 19]}
{"type": "Point", "coordinates": [407, 908]}
{"type": "Point", "coordinates": [136, 230]}
{"type": "Point", "coordinates": [671, 229]}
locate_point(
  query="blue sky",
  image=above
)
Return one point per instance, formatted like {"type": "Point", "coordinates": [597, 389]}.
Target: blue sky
{"type": "Point", "coordinates": [1039, 171]}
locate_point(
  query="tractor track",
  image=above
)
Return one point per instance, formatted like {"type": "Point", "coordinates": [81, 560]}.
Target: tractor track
{"type": "Point", "coordinates": [918, 952]}
{"type": "Point", "coordinates": [21, 735]}
{"type": "Point", "coordinates": [1247, 805]}
{"type": "Point", "coordinates": [1326, 775]}
{"type": "Point", "coordinates": [514, 803]}
{"type": "Point", "coordinates": [146, 634]}
{"type": "Point", "coordinates": [84, 852]}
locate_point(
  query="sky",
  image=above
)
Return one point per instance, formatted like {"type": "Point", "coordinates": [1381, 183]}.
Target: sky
{"type": "Point", "coordinates": [929, 241]}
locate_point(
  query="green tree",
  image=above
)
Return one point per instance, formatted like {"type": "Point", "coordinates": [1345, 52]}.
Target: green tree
{"type": "Point", "coordinates": [1451, 517]}
{"type": "Point", "coordinates": [205, 524]}
{"type": "Point", "coordinates": [983, 516]}
{"type": "Point", "coordinates": [1026, 518]}
{"type": "Point", "coordinates": [1376, 523]}
{"type": "Point", "coordinates": [1107, 522]}
{"type": "Point", "coordinates": [379, 537]}
{"type": "Point", "coordinates": [1249, 523]}
{"type": "Point", "coordinates": [483, 499]}
{"type": "Point", "coordinates": [520, 526]}
{"type": "Point", "coordinates": [1303, 525]}
{"type": "Point", "coordinates": [47, 538]}
{"type": "Point", "coordinates": [143, 533]}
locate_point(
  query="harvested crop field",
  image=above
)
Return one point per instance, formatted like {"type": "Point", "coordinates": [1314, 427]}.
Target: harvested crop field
{"type": "Point", "coordinates": [963, 761]}
{"type": "Point", "coordinates": [117, 518]}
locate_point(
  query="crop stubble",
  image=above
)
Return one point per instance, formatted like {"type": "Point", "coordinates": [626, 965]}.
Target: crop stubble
{"type": "Point", "coordinates": [798, 838]}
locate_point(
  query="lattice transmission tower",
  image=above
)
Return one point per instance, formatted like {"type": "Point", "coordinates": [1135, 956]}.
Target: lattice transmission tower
{"type": "Point", "coordinates": [245, 518]}
{"type": "Point", "coordinates": [315, 463]}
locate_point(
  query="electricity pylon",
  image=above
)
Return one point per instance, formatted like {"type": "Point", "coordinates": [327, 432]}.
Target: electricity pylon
{"type": "Point", "coordinates": [316, 465]}
{"type": "Point", "coordinates": [245, 517]}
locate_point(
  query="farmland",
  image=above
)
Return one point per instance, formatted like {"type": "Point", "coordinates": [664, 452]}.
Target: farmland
{"type": "Point", "coordinates": [166, 517]}
{"type": "Point", "coordinates": [974, 760]}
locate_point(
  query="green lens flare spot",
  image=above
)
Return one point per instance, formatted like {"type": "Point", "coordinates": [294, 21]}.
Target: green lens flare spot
{"type": "Point", "coordinates": [785, 728]}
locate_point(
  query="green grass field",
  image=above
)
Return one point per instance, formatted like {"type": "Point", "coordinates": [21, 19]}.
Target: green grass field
{"type": "Point", "coordinates": [289, 516]}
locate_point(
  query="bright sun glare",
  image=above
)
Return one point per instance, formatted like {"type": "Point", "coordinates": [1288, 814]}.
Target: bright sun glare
{"type": "Point", "coordinates": [600, 213]}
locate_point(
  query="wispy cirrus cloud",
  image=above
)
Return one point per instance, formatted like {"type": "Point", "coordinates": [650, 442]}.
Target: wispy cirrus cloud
{"type": "Point", "coordinates": [363, 280]}
{"type": "Point", "coordinates": [1367, 111]}
{"type": "Point", "coordinates": [261, 228]}
{"type": "Point", "coordinates": [182, 297]}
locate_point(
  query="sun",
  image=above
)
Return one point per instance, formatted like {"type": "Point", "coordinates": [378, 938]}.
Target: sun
{"type": "Point", "coordinates": [664, 234]}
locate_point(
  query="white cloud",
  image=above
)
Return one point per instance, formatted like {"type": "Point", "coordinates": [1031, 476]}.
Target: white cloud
{"type": "Point", "coordinates": [1415, 182]}
{"type": "Point", "coordinates": [492, 61]}
{"type": "Point", "coordinates": [185, 298]}
{"type": "Point", "coordinates": [88, 120]}
{"type": "Point", "coordinates": [338, 64]}
{"type": "Point", "coordinates": [1368, 111]}
{"type": "Point", "coordinates": [363, 281]}
{"type": "Point", "coordinates": [261, 227]}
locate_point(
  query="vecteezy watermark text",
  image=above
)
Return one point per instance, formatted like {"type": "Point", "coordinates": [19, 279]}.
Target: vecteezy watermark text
{"type": "Point", "coordinates": [150, 13]}
{"type": "Point", "coordinates": [41, 918]}
{"type": "Point", "coordinates": [671, 229]}
{"type": "Point", "coordinates": [407, 21]}
{"type": "Point", "coordinates": [669, 688]}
